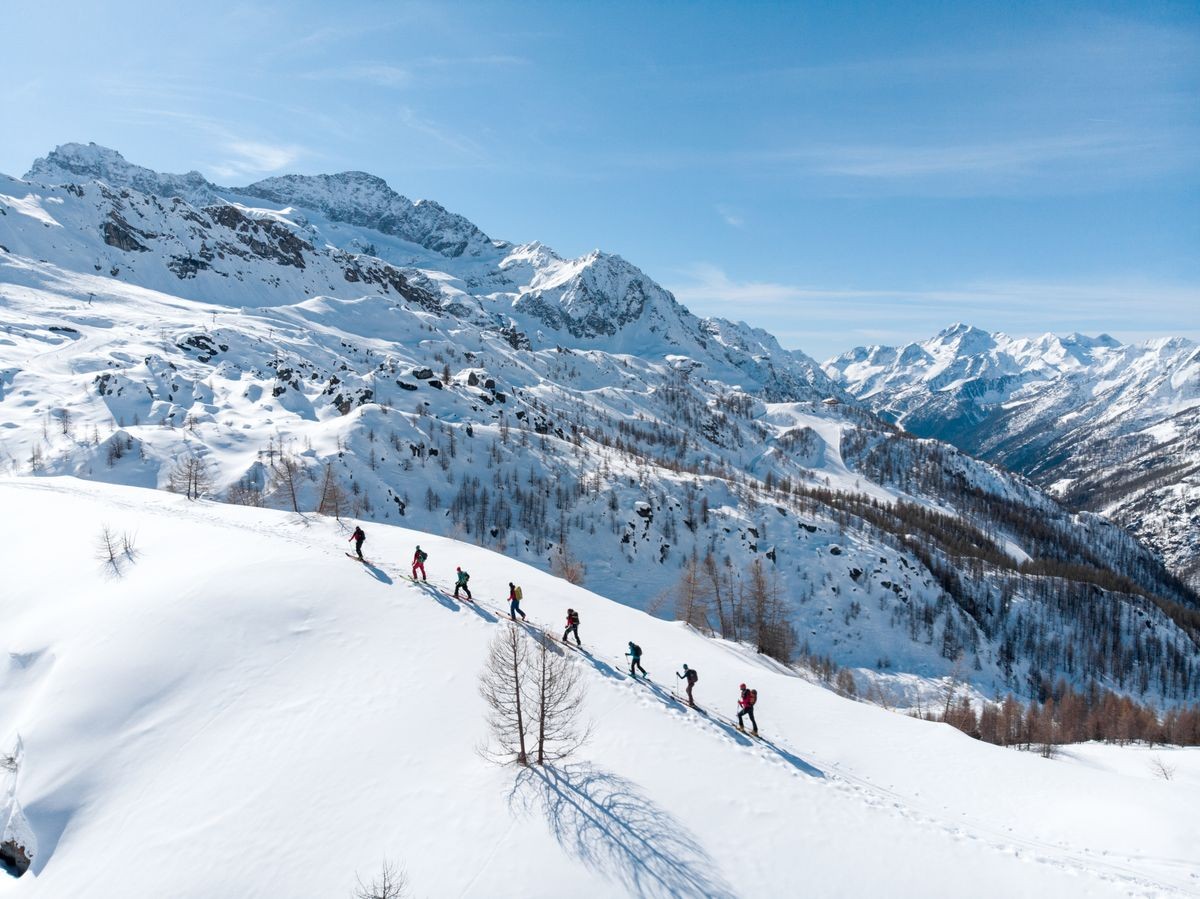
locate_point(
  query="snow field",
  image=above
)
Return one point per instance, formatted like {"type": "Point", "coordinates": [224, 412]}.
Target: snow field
{"type": "Point", "coordinates": [244, 711]}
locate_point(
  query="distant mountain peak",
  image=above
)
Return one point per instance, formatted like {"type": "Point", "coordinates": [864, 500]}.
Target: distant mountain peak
{"type": "Point", "coordinates": [73, 163]}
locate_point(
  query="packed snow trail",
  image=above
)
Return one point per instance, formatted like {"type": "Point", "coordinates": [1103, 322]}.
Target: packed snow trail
{"type": "Point", "coordinates": [238, 706]}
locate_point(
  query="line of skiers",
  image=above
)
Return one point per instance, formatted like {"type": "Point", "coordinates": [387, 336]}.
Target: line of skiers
{"type": "Point", "coordinates": [747, 699]}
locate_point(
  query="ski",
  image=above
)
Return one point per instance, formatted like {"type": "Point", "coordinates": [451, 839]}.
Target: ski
{"type": "Point", "coordinates": [357, 559]}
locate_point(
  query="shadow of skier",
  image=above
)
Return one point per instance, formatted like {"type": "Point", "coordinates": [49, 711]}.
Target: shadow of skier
{"type": "Point", "coordinates": [793, 760]}
{"type": "Point", "coordinates": [378, 573]}
{"type": "Point", "coordinates": [617, 831]}
{"type": "Point", "coordinates": [481, 612]}
{"type": "Point", "coordinates": [442, 599]}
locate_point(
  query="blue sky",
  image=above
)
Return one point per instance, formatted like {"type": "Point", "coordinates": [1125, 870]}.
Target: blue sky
{"type": "Point", "coordinates": [839, 173]}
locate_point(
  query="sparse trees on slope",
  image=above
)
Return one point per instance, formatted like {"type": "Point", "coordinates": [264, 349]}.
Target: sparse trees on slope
{"type": "Point", "coordinates": [286, 474]}
{"type": "Point", "coordinates": [333, 497]}
{"type": "Point", "coordinates": [772, 632]}
{"type": "Point", "coordinates": [565, 565]}
{"type": "Point", "coordinates": [693, 595]}
{"type": "Point", "coordinates": [190, 476]}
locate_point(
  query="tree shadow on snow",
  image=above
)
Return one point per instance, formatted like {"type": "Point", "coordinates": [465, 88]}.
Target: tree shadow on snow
{"type": "Point", "coordinates": [617, 831]}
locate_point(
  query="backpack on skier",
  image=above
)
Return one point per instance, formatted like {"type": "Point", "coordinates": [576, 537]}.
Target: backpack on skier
{"type": "Point", "coordinates": [422, 555]}
{"type": "Point", "coordinates": [517, 594]}
{"type": "Point", "coordinates": [635, 650]}
{"type": "Point", "coordinates": [752, 699]}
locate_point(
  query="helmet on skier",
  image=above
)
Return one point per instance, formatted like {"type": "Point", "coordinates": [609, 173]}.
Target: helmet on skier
{"type": "Point", "coordinates": [456, 568]}
{"type": "Point", "coordinates": [685, 667]}
{"type": "Point", "coordinates": [741, 686]}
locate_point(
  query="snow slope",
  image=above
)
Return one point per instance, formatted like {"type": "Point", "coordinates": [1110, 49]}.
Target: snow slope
{"type": "Point", "coordinates": [241, 710]}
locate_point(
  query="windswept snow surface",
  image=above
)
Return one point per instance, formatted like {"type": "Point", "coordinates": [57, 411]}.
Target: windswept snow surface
{"type": "Point", "coordinates": [243, 711]}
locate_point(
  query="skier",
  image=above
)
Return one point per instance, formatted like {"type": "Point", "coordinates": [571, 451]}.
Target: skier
{"type": "Point", "coordinates": [419, 558]}
{"type": "Point", "coordinates": [746, 707]}
{"type": "Point", "coordinates": [635, 660]}
{"type": "Point", "coordinates": [689, 675]}
{"type": "Point", "coordinates": [358, 537]}
{"type": "Point", "coordinates": [461, 584]}
{"type": "Point", "coordinates": [572, 626]}
{"type": "Point", "coordinates": [514, 602]}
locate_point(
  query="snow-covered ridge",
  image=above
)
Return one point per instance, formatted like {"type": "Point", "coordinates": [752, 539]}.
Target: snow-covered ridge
{"type": "Point", "coordinates": [355, 198]}
{"type": "Point", "coordinates": [598, 300]}
{"type": "Point", "coordinates": [1109, 426]}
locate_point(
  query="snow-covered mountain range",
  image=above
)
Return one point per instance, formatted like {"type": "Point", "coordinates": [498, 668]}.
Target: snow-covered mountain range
{"type": "Point", "coordinates": [323, 342]}
{"type": "Point", "coordinates": [1106, 426]}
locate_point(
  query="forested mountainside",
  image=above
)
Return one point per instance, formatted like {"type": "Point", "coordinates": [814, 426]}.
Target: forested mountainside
{"type": "Point", "coordinates": [324, 344]}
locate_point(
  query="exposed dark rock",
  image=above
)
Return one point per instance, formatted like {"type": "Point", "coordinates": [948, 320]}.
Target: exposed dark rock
{"type": "Point", "coordinates": [120, 234]}
{"type": "Point", "coordinates": [14, 858]}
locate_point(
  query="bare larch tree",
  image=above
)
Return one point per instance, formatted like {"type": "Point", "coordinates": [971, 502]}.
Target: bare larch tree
{"type": "Point", "coordinates": [556, 699]}
{"type": "Point", "coordinates": [502, 686]}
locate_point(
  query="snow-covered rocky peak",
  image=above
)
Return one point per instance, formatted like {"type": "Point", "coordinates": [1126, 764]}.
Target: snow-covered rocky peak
{"type": "Point", "coordinates": [74, 163]}
{"type": "Point", "coordinates": [964, 340]}
{"type": "Point", "coordinates": [529, 257]}
{"type": "Point", "coordinates": [359, 198]}
{"type": "Point", "coordinates": [600, 295]}
{"type": "Point", "coordinates": [353, 198]}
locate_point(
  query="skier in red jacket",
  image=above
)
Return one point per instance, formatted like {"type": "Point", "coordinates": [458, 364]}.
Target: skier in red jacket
{"type": "Point", "coordinates": [572, 626]}
{"type": "Point", "coordinates": [419, 558]}
{"type": "Point", "coordinates": [357, 538]}
{"type": "Point", "coordinates": [746, 707]}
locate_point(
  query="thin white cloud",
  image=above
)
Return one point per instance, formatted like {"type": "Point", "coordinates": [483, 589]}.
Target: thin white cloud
{"type": "Point", "coordinates": [1004, 157]}
{"type": "Point", "coordinates": [378, 74]}
{"type": "Point", "coordinates": [440, 134]}
{"type": "Point", "coordinates": [730, 216]}
{"type": "Point", "coordinates": [399, 76]}
{"type": "Point", "coordinates": [247, 158]}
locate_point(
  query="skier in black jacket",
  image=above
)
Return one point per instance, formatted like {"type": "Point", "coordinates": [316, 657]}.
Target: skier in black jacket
{"type": "Point", "coordinates": [689, 675]}
{"type": "Point", "coordinates": [635, 660]}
